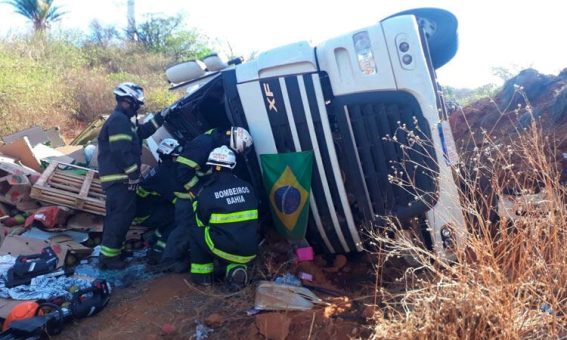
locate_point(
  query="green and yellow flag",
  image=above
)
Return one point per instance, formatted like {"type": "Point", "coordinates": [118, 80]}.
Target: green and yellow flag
{"type": "Point", "coordinates": [287, 179]}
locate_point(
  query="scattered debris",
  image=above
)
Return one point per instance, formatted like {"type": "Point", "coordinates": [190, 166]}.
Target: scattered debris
{"type": "Point", "coordinates": [288, 279]}
{"type": "Point", "coordinates": [34, 135]}
{"type": "Point", "coordinates": [85, 222]}
{"type": "Point", "coordinates": [273, 325]}
{"type": "Point", "coordinates": [51, 217]}
{"type": "Point", "coordinates": [340, 261]}
{"type": "Point", "coordinates": [76, 152]}
{"type": "Point", "coordinates": [167, 329]}
{"type": "Point", "coordinates": [51, 197]}
{"type": "Point", "coordinates": [81, 190]}
{"type": "Point", "coordinates": [214, 320]}
{"type": "Point", "coordinates": [304, 254]}
{"type": "Point", "coordinates": [202, 332]}
{"type": "Point", "coordinates": [274, 296]}
{"type": "Point", "coordinates": [22, 151]}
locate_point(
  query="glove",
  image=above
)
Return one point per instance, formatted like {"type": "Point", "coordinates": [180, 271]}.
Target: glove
{"type": "Point", "coordinates": [164, 112]}
{"type": "Point", "coordinates": [133, 184]}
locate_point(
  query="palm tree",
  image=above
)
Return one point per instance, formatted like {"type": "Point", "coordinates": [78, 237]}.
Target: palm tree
{"type": "Point", "coordinates": [41, 12]}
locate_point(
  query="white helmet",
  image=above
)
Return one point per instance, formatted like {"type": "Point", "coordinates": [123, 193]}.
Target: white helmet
{"type": "Point", "coordinates": [240, 139]}
{"type": "Point", "coordinates": [130, 90]}
{"type": "Point", "coordinates": [168, 146]}
{"type": "Point", "coordinates": [223, 157]}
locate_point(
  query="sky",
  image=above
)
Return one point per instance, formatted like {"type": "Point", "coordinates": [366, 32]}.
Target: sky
{"type": "Point", "coordinates": [498, 33]}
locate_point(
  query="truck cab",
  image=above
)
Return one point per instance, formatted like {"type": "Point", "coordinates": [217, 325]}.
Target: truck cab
{"type": "Point", "coordinates": [367, 103]}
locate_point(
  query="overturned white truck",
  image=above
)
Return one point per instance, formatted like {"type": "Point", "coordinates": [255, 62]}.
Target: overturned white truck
{"type": "Point", "coordinates": [367, 103]}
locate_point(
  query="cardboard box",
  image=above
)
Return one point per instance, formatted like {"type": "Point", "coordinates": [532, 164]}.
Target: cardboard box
{"type": "Point", "coordinates": [14, 189]}
{"type": "Point", "coordinates": [35, 135]}
{"type": "Point", "coordinates": [21, 150]}
{"type": "Point", "coordinates": [76, 152]}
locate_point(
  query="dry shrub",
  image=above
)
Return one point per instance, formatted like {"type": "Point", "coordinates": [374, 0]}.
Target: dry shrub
{"type": "Point", "coordinates": [52, 81]}
{"type": "Point", "coordinates": [508, 276]}
{"type": "Point", "coordinates": [91, 92]}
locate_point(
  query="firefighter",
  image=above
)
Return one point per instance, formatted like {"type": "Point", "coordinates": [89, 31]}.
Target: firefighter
{"type": "Point", "coordinates": [226, 215]}
{"type": "Point", "coordinates": [156, 200]}
{"type": "Point", "coordinates": [120, 149]}
{"type": "Point", "coordinates": [191, 168]}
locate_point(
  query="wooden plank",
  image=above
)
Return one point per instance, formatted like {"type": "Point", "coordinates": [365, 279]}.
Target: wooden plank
{"type": "Point", "coordinates": [74, 184]}
{"type": "Point", "coordinates": [63, 193]}
{"type": "Point", "coordinates": [95, 184]}
{"type": "Point", "coordinates": [75, 190]}
{"type": "Point", "coordinates": [69, 194]}
{"type": "Point", "coordinates": [88, 207]}
{"type": "Point", "coordinates": [71, 190]}
{"type": "Point", "coordinates": [40, 195]}
{"type": "Point", "coordinates": [41, 181]}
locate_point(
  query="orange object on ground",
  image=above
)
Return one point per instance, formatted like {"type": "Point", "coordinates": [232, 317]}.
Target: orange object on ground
{"type": "Point", "coordinates": [24, 310]}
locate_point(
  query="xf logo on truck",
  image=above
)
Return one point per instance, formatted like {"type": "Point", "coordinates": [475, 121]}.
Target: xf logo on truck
{"type": "Point", "coordinates": [270, 98]}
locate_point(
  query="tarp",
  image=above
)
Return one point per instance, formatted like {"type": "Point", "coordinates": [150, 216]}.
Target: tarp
{"type": "Point", "coordinates": [287, 180]}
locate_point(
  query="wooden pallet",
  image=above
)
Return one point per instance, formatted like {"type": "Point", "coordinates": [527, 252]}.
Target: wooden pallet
{"type": "Point", "coordinates": [81, 192]}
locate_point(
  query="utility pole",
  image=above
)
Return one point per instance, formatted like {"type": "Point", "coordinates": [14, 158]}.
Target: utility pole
{"type": "Point", "coordinates": [132, 33]}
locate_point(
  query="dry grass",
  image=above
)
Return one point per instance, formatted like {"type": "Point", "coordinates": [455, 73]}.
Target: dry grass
{"type": "Point", "coordinates": [53, 81]}
{"type": "Point", "coordinates": [509, 276]}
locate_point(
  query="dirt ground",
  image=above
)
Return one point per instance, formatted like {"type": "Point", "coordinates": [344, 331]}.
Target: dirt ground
{"type": "Point", "coordinates": [170, 307]}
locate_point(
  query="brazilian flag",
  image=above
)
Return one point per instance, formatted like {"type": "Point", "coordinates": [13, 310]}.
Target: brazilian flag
{"type": "Point", "coordinates": [287, 179]}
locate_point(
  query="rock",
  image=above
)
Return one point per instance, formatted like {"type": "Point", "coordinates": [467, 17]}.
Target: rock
{"type": "Point", "coordinates": [526, 118]}
{"type": "Point", "coordinates": [273, 326]}
{"type": "Point", "coordinates": [340, 261]}
{"type": "Point", "coordinates": [559, 107]}
{"type": "Point", "coordinates": [533, 83]}
{"type": "Point", "coordinates": [214, 320]}
{"type": "Point", "coordinates": [368, 312]}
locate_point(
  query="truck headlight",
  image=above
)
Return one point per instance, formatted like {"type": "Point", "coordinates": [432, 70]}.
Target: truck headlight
{"type": "Point", "coordinates": [364, 53]}
{"type": "Point", "coordinates": [447, 236]}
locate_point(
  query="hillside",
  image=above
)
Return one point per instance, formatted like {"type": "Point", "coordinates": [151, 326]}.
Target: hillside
{"type": "Point", "coordinates": [509, 111]}
{"type": "Point", "coordinates": [56, 81]}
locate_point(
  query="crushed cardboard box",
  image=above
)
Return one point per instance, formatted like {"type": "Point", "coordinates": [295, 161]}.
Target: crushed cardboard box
{"type": "Point", "coordinates": [54, 136]}
{"type": "Point", "coordinates": [34, 134]}
{"type": "Point", "coordinates": [48, 154]}
{"type": "Point", "coordinates": [8, 165]}
{"type": "Point", "coordinates": [86, 222]}
{"type": "Point", "coordinates": [62, 245]}
{"type": "Point", "coordinates": [22, 151]}
{"type": "Point", "coordinates": [75, 152]}
{"type": "Point", "coordinates": [15, 184]}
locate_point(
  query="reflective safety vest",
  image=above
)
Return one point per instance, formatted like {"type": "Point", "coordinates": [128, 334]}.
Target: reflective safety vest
{"type": "Point", "coordinates": [192, 162]}
{"type": "Point", "coordinates": [228, 210]}
{"type": "Point", "coordinates": [120, 147]}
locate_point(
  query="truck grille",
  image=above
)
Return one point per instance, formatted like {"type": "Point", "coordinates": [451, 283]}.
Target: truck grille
{"type": "Point", "coordinates": [383, 142]}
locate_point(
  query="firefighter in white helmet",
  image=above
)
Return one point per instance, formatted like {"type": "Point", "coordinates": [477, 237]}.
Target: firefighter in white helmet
{"type": "Point", "coordinates": [226, 215]}
{"type": "Point", "coordinates": [120, 149]}
{"type": "Point", "coordinates": [191, 170]}
{"type": "Point", "coordinates": [155, 206]}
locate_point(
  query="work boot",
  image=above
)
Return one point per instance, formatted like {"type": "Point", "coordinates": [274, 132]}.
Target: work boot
{"type": "Point", "coordinates": [202, 279]}
{"type": "Point", "coordinates": [237, 278]}
{"type": "Point", "coordinates": [111, 263]}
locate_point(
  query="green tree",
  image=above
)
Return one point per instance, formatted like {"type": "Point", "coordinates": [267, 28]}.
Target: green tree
{"type": "Point", "coordinates": [154, 32]}
{"type": "Point", "coordinates": [169, 36]}
{"type": "Point", "coordinates": [40, 12]}
{"type": "Point", "coordinates": [102, 36]}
